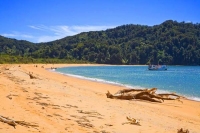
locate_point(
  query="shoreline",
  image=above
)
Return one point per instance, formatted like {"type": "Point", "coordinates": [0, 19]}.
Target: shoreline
{"type": "Point", "coordinates": [60, 103]}
{"type": "Point", "coordinates": [119, 84]}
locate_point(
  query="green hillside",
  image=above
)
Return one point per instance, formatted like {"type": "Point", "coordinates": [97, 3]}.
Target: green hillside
{"type": "Point", "coordinates": [171, 43]}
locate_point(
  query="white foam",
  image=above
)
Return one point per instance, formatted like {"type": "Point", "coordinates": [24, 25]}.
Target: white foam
{"type": "Point", "coordinates": [53, 70]}
{"type": "Point", "coordinates": [162, 91]}
{"type": "Point", "coordinates": [186, 96]}
{"type": "Point", "coordinates": [195, 98]}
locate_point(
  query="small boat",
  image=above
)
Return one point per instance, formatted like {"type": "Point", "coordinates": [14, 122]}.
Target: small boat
{"type": "Point", "coordinates": [157, 67]}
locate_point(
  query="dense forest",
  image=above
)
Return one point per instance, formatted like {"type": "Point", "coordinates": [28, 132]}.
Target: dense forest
{"type": "Point", "coordinates": [171, 43]}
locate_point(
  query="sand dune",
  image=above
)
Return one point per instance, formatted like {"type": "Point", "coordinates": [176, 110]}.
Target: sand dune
{"type": "Point", "coordinates": [60, 104]}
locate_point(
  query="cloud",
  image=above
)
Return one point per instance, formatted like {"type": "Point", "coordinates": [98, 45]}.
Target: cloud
{"type": "Point", "coordinates": [47, 38]}
{"type": "Point", "coordinates": [42, 33]}
{"type": "Point", "coordinates": [51, 33]}
{"type": "Point", "coordinates": [9, 35]}
{"type": "Point", "coordinates": [36, 27]}
{"type": "Point", "coordinates": [188, 21]}
{"type": "Point", "coordinates": [18, 35]}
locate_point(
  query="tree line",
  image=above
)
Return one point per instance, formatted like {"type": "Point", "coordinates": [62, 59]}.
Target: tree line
{"type": "Point", "coordinates": [171, 42]}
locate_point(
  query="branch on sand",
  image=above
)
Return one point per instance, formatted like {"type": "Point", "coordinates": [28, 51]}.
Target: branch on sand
{"type": "Point", "coordinates": [132, 121]}
{"type": "Point", "coordinates": [143, 94]}
{"type": "Point", "coordinates": [183, 131]}
{"type": "Point", "coordinates": [32, 76]}
{"type": "Point", "coordinates": [15, 123]}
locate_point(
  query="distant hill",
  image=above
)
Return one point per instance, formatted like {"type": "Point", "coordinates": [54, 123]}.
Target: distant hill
{"type": "Point", "coordinates": [170, 43]}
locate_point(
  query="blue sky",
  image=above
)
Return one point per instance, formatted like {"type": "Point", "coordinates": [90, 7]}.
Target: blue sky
{"type": "Point", "coordinates": [48, 20]}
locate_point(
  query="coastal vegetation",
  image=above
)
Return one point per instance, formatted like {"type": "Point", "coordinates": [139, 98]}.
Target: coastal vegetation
{"type": "Point", "coordinates": [171, 42]}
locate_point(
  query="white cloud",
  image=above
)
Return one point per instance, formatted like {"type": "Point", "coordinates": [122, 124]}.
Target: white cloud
{"type": "Point", "coordinates": [61, 31]}
{"type": "Point", "coordinates": [17, 35]}
{"type": "Point", "coordinates": [44, 33]}
{"type": "Point", "coordinates": [188, 21]}
{"type": "Point", "coordinates": [35, 27]}
{"type": "Point", "coordinates": [9, 35]}
{"type": "Point", "coordinates": [47, 38]}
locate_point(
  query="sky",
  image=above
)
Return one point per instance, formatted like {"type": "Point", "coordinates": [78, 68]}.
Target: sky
{"type": "Point", "coordinates": [47, 20]}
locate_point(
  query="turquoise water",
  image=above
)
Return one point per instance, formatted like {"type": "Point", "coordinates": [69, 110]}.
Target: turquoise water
{"type": "Point", "coordinates": [184, 80]}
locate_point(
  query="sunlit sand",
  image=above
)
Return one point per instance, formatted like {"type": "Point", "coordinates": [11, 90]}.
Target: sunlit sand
{"type": "Point", "coordinates": [51, 103]}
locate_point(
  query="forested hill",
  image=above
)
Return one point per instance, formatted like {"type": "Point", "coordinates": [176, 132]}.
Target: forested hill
{"type": "Point", "coordinates": [15, 47]}
{"type": "Point", "coordinates": [171, 43]}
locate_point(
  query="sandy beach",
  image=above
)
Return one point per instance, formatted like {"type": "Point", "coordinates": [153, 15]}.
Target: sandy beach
{"type": "Point", "coordinates": [58, 103]}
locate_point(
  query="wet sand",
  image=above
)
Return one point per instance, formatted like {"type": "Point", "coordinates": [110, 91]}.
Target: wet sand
{"type": "Point", "coordinates": [61, 104]}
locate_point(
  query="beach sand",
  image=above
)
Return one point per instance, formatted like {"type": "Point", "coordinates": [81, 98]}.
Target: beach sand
{"type": "Point", "coordinates": [62, 104]}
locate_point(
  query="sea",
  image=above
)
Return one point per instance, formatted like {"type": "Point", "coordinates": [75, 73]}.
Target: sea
{"type": "Point", "coordinates": [182, 80]}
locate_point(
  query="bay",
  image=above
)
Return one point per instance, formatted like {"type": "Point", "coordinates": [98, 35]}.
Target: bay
{"type": "Point", "coordinates": [183, 80]}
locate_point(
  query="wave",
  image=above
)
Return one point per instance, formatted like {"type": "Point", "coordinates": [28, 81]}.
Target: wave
{"type": "Point", "coordinates": [194, 98]}
{"type": "Point", "coordinates": [186, 96]}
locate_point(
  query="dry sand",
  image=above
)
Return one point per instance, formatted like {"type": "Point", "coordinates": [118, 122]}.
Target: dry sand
{"type": "Point", "coordinates": [62, 104]}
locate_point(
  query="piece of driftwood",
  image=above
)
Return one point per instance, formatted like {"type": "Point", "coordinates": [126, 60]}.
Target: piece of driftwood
{"type": "Point", "coordinates": [32, 76]}
{"type": "Point", "coordinates": [132, 121]}
{"type": "Point", "coordinates": [9, 96]}
{"type": "Point", "coordinates": [183, 131]}
{"type": "Point", "coordinates": [8, 121]}
{"type": "Point", "coordinates": [15, 123]}
{"type": "Point", "coordinates": [128, 90]}
{"type": "Point", "coordinates": [142, 94]}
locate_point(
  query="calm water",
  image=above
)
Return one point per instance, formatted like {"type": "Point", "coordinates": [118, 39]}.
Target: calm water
{"type": "Point", "coordinates": [184, 80]}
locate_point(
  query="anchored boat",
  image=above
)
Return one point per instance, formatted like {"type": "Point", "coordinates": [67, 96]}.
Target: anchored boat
{"type": "Point", "coordinates": [157, 67]}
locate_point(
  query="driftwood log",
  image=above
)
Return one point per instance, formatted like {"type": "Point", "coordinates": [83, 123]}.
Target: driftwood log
{"type": "Point", "coordinates": [183, 131]}
{"type": "Point", "coordinates": [32, 76]}
{"type": "Point", "coordinates": [142, 94]}
{"type": "Point", "coordinates": [132, 121]}
{"type": "Point", "coordinates": [15, 123]}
